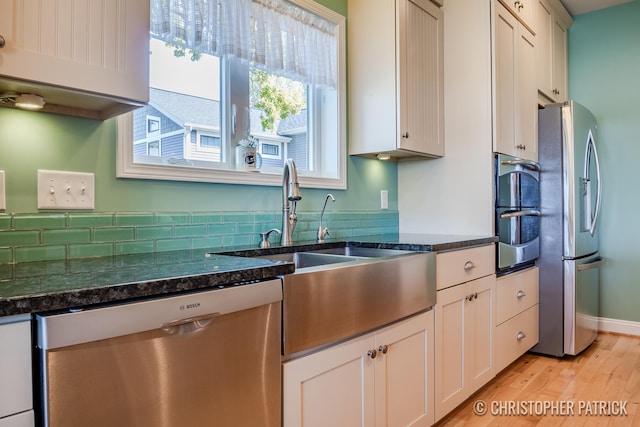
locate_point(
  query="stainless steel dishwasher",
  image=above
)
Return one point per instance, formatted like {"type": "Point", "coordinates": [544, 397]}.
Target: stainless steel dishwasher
{"type": "Point", "coordinates": [208, 358]}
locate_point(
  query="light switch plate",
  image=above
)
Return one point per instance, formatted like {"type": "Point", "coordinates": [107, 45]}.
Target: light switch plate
{"type": "Point", "coordinates": [3, 197]}
{"type": "Point", "coordinates": [384, 199]}
{"type": "Point", "coordinates": [65, 190]}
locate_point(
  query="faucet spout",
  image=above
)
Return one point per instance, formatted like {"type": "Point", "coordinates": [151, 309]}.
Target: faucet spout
{"type": "Point", "coordinates": [323, 232]}
{"type": "Point", "coordinates": [290, 193]}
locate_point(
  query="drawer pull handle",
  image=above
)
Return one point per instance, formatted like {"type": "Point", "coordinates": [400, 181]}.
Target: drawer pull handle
{"type": "Point", "coordinates": [521, 294]}
{"type": "Point", "coordinates": [520, 336]}
{"type": "Point", "coordinates": [471, 297]}
{"type": "Point", "coordinates": [469, 265]}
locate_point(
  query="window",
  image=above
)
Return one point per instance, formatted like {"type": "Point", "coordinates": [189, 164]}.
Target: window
{"type": "Point", "coordinates": [203, 102]}
{"type": "Point", "coordinates": [270, 150]}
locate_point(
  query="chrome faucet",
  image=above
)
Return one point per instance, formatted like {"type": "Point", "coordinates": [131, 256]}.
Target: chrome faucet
{"type": "Point", "coordinates": [323, 232]}
{"type": "Point", "coordinates": [290, 193]}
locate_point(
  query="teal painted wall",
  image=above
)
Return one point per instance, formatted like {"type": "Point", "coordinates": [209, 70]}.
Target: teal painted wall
{"type": "Point", "coordinates": [604, 75]}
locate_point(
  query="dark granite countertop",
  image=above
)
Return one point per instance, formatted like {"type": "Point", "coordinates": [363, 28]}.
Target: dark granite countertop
{"type": "Point", "coordinates": [55, 285]}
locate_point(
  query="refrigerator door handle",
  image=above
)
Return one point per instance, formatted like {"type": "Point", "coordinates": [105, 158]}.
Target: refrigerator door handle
{"type": "Point", "coordinates": [591, 265]}
{"type": "Point", "coordinates": [591, 147]}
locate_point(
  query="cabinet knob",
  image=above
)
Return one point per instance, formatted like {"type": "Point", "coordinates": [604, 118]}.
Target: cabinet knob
{"type": "Point", "coordinates": [383, 349]}
{"type": "Point", "coordinates": [2, 41]}
{"type": "Point", "coordinates": [520, 336]}
{"type": "Point", "coordinates": [521, 294]}
{"type": "Point", "coordinates": [556, 91]}
{"type": "Point", "coordinates": [372, 353]}
{"type": "Point", "coordinates": [469, 265]}
{"type": "Point", "coordinates": [521, 147]}
{"type": "Point", "coordinates": [405, 135]}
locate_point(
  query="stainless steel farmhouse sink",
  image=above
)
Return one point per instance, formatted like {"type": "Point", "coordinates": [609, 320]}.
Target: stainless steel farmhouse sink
{"type": "Point", "coordinates": [341, 292]}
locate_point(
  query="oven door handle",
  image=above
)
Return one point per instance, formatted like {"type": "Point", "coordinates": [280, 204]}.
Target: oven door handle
{"type": "Point", "coordinates": [513, 214]}
{"type": "Point", "coordinates": [528, 164]}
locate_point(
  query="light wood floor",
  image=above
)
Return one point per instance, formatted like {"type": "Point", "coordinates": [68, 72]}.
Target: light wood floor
{"type": "Point", "coordinates": [609, 370]}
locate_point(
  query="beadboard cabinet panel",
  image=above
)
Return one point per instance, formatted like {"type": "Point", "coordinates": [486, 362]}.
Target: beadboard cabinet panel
{"type": "Point", "coordinates": [87, 55]}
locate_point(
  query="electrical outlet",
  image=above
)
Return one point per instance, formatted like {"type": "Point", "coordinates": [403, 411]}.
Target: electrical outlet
{"type": "Point", "coordinates": [3, 198]}
{"type": "Point", "coordinates": [384, 199]}
{"type": "Point", "coordinates": [65, 190]}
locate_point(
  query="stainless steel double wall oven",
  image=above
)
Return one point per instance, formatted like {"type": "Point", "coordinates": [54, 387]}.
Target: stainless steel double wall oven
{"type": "Point", "coordinates": [517, 212]}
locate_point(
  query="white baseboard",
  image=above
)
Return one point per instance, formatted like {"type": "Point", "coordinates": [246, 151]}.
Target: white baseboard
{"type": "Point", "coordinates": [619, 326]}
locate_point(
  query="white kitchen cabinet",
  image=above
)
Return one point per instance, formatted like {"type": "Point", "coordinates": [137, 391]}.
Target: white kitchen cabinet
{"type": "Point", "coordinates": [396, 100]}
{"type": "Point", "coordinates": [552, 22]}
{"type": "Point", "coordinates": [16, 403]}
{"type": "Point", "coordinates": [515, 103]}
{"type": "Point", "coordinates": [464, 330]}
{"type": "Point", "coordinates": [517, 311]}
{"type": "Point", "coordinates": [86, 58]}
{"type": "Point", "coordinates": [522, 9]}
{"type": "Point", "coordinates": [463, 324]}
{"type": "Point", "coordinates": [384, 378]}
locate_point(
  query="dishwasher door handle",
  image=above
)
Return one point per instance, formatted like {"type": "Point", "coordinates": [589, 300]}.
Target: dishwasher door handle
{"type": "Point", "coordinates": [194, 323]}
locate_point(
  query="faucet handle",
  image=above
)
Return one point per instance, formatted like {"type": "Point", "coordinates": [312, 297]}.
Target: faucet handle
{"type": "Point", "coordinates": [322, 233]}
{"type": "Point", "coordinates": [264, 238]}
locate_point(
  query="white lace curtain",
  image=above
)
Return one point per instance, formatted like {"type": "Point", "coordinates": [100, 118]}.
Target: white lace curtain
{"type": "Point", "coordinates": [273, 35]}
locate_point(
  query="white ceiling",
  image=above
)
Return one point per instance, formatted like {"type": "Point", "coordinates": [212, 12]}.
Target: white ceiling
{"type": "Point", "coordinates": [577, 7]}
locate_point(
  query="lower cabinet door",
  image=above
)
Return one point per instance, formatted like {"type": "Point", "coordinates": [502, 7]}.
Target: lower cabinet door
{"type": "Point", "coordinates": [333, 387]}
{"type": "Point", "coordinates": [464, 334]}
{"type": "Point", "coordinates": [383, 379]}
{"type": "Point", "coordinates": [404, 373]}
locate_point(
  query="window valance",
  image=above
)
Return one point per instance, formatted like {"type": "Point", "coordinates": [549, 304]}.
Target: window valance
{"type": "Point", "coordinates": [274, 35]}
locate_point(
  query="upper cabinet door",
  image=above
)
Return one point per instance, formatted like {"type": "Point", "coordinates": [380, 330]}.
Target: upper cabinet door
{"type": "Point", "coordinates": [396, 78]}
{"type": "Point", "coordinates": [522, 9]}
{"type": "Point", "coordinates": [515, 103]}
{"type": "Point", "coordinates": [421, 77]}
{"type": "Point", "coordinates": [67, 49]}
{"type": "Point", "coordinates": [552, 22]}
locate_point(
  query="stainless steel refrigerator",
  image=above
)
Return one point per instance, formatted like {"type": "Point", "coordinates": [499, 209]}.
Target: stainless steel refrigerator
{"type": "Point", "coordinates": [570, 198]}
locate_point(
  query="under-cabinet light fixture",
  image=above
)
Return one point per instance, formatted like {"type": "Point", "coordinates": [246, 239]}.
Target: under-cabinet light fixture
{"type": "Point", "coordinates": [27, 101]}
{"type": "Point", "coordinates": [383, 156]}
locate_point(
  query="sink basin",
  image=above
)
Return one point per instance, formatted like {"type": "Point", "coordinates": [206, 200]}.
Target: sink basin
{"type": "Point", "coordinates": [319, 257]}
{"type": "Point", "coordinates": [355, 251]}
{"type": "Point", "coordinates": [310, 259]}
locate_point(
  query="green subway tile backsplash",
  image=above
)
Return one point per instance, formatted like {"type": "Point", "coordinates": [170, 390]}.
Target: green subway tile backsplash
{"type": "Point", "coordinates": [91, 250]}
{"type": "Point", "coordinates": [5, 222]}
{"type": "Point", "coordinates": [157, 232]}
{"type": "Point", "coordinates": [48, 236]}
{"type": "Point", "coordinates": [40, 253]}
{"type": "Point", "coordinates": [90, 220]}
{"type": "Point", "coordinates": [173, 218]}
{"type": "Point", "coordinates": [113, 234]}
{"type": "Point", "coordinates": [19, 238]}
{"type": "Point", "coordinates": [27, 221]}
{"type": "Point", "coordinates": [134, 219]}
{"type": "Point", "coordinates": [54, 237]}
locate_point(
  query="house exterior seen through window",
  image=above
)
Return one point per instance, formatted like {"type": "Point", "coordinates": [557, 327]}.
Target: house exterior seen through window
{"type": "Point", "coordinates": [201, 106]}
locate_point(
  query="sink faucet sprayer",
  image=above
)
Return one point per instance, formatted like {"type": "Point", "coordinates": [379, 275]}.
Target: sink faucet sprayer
{"type": "Point", "coordinates": [322, 232]}
{"type": "Point", "coordinates": [290, 193]}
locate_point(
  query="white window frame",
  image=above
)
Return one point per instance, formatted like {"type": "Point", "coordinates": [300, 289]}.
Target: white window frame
{"type": "Point", "coordinates": [127, 168]}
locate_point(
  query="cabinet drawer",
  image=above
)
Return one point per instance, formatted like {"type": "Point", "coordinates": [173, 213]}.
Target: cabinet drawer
{"type": "Point", "coordinates": [515, 336]}
{"type": "Point", "coordinates": [15, 367]}
{"type": "Point", "coordinates": [515, 293]}
{"type": "Point", "coordinates": [461, 266]}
